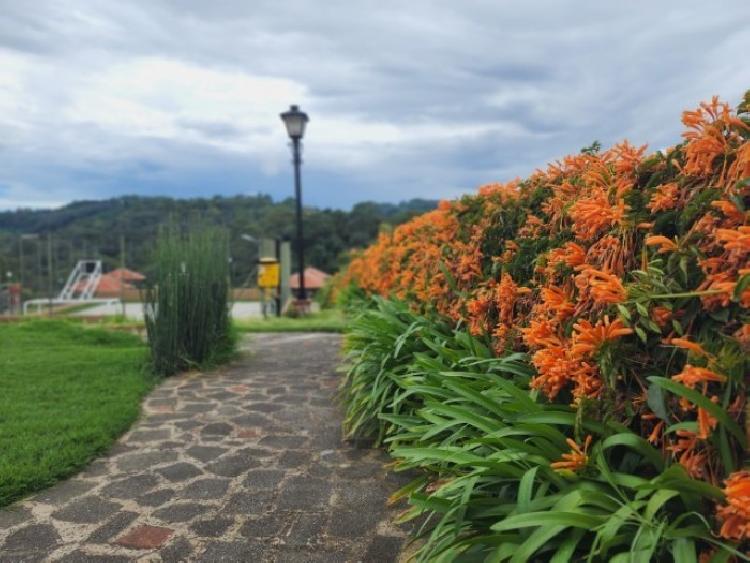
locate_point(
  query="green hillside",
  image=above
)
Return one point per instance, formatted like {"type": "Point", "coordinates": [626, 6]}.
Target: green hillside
{"type": "Point", "coordinates": [94, 229]}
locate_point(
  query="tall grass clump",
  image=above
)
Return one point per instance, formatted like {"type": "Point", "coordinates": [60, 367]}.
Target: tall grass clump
{"type": "Point", "coordinates": [187, 307]}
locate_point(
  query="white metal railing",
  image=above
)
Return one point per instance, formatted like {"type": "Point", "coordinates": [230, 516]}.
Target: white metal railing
{"type": "Point", "coordinates": [82, 282]}
{"type": "Point", "coordinates": [41, 304]}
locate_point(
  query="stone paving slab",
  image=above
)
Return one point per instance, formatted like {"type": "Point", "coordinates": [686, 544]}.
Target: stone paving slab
{"type": "Point", "coordinates": [242, 464]}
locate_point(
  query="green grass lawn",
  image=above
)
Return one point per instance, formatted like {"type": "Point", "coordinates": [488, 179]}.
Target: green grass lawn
{"type": "Point", "coordinates": [66, 393]}
{"type": "Point", "coordinates": [328, 320]}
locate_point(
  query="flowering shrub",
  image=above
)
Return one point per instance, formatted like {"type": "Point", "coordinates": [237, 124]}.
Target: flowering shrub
{"type": "Point", "coordinates": [626, 279]}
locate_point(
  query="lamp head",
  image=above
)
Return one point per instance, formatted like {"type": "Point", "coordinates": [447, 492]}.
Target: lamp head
{"type": "Point", "coordinates": [295, 122]}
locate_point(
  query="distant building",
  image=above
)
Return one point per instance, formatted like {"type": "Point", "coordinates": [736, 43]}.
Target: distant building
{"type": "Point", "coordinates": [113, 284]}
{"type": "Point", "coordinates": [314, 281]}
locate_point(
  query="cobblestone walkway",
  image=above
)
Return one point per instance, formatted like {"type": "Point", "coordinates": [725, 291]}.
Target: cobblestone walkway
{"type": "Point", "coordinates": [244, 464]}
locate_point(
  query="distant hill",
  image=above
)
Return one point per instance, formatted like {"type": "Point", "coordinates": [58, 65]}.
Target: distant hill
{"type": "Point", "coordinates": [93, 229]}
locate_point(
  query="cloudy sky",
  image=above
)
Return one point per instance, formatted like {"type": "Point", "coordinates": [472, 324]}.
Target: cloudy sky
{"type": "Point", "coordinates": [406, 99]}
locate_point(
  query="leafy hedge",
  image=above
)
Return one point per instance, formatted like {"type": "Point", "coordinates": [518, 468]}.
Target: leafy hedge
{"type": "Point", "coordinates": [573, 354]}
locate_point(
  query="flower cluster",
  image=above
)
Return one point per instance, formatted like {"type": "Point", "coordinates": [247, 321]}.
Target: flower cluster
{"type": "Point", "coordinates": [610, 269]}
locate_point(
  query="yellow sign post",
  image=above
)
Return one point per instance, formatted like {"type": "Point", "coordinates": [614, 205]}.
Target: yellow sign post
{"type": "Point", "coordinates": [268, 273]}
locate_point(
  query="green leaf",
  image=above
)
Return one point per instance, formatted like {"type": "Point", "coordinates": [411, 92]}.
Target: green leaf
{"type": "Point", "coordinates": [690, 426]}
{"type": "Point", "coordinates": [683, 550]}
{"type": "Point", "coordinates": [550, 417]}
{"type": "Point", "coordinates": [641, 556]}
{"type": "Point", "coordinates": [676, 478]}
{"type": "Point", "coordinates": [525, 489]}
{"type": "Point", "coordinates": [704, 402]}
{"type": "Point", "coordinates": [537, 539]}
{"type": "Point", "coordinates": [657, 501]}
{"type": "Point", "coordinates": [466, 416]}
{"type": "Point", "coordinates": [624, 313]}
{"type": "Point", "coordinates": [445, 454]}
{"type": "Point", "coordinates": [656, 403]}
{"type": "Point", "coordinates": [607, 533]}
{"type": "Point", "coordinates": [534, 519]}
{"type": "Point", "coordinates": [641, 334]}
{"type": "Point", "coordinates": [641, 308]}
{"type": "Point", "coordinates": [564, 553]}
{"type": "Point", "coordinates": [638, 444]}
{"type": "Point", "coordinates": [742, 284]}
{"type": "Point", "coordinates": [475, 396]}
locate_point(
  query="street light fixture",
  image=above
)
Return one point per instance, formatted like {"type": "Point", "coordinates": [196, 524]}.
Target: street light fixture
{"type": "Point", "coordinates": [295, 122]}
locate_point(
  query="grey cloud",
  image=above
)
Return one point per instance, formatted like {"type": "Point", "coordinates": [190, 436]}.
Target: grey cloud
{"type": "Point", "coordinates": [546, 77]}
{"type": "Point", "coordinates": [214, 129]}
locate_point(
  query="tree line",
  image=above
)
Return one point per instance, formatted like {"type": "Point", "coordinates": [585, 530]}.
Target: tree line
{"type": "Point", "coordinates": [32, 241]}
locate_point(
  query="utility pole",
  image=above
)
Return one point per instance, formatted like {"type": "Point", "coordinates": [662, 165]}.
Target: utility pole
{"type": "Point", "coordinates": [122, 273]}
{"type": "Point", "coordinates": [20, 261]}
{"type": "Point", "coordinates": [38, 285]}
{"type": "Point", "coordinates": [23, 237]}
{"type": "Point", "coordinates": [50, 271]}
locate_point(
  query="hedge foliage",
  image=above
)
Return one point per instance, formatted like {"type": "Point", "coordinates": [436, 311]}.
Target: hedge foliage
{"type": "Point", "coordinates": [617, 286]}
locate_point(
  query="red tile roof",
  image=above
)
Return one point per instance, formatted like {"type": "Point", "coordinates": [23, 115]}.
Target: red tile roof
{"type": "Point", "coordinates": [115, 281]}
{"type": "Point", "coordinates": [127, 275]}
{"type": "Point", "coordinates": [314, 279]}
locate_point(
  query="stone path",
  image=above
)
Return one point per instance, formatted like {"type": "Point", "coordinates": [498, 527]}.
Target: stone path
{"type": "Point", "coordinates": [244, 464]}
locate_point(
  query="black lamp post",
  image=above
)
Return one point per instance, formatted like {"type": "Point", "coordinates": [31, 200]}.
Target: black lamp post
{"type": "Point", "coordinates": [295, 121]}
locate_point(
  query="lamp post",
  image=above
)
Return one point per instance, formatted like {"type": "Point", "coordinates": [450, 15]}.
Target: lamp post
{"type": "Point", "coordinates": [295, 122]}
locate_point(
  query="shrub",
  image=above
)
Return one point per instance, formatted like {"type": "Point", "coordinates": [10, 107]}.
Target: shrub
{"type": "Point", "coordinates": [624, 280]}
{"type": "Point", "coordinates": [187, 310]}
{"type": "Point", "coordinates": [505, 474]}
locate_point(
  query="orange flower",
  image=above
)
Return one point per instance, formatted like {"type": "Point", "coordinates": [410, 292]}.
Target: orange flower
{"type": "Point", "coordinates": [555, 370]}
{"type": "Point", "coordinates": [693, 347]}
{"type": "Point", "coordinates": [627, 157]}
{"type": "Point", "coordinates": [690, 376]}
{"type": "Point", "coordinates": [557, 301]}
{"type": "Point", "coordinates": [743, 337]}
{"type": "Point", "coordinates": [664, 198]}
{"type": "Point", "coordinates": [741, 166]}
{"type": "Point", "coordinates": [511, 248]}
{"type": "Point", "coordinates": [506, 192]}
{"type": "Point", "coordinates": [706, 422]}
{"type": "Point", "coordinates": [655, 435]}
{"type": "Point", "coordinates": [661, 316]}
{"type": "Point", "coordinates": [570, 254]}
{"type": "Point", "coordinates": [588, 382]}
{"type": "Point", "coordinates": [738, 240]}
{"type": "Point", "coordinates": [665, 245]}
{"type": "Point", "coordinates": [540, 333]}
{"type": "Point", "coordinates": [478, 309]}
{"type": "Point", "coordinates": [707, 140]}
{"type": "Point", "coordinates": [577, 459]}
{"type": "Point", "coordinates": [685, 450]}
{"type": "Point", "coordinates": [507, 292]}
{"type": "Point", "coordinates": [694, 463]}
{"type": "Point", "coordinates": [729, 209]}
{"type": "Point", "coordinates": [722, 282]}
{"type": "Point", "coordinates": [736, 514]}
{"type": "Point", "coordinates": [588, 338]}
{"type": "Point", "coordinates": [605, 288]}
{"type": "Point", "coordinates": [594, 213]}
